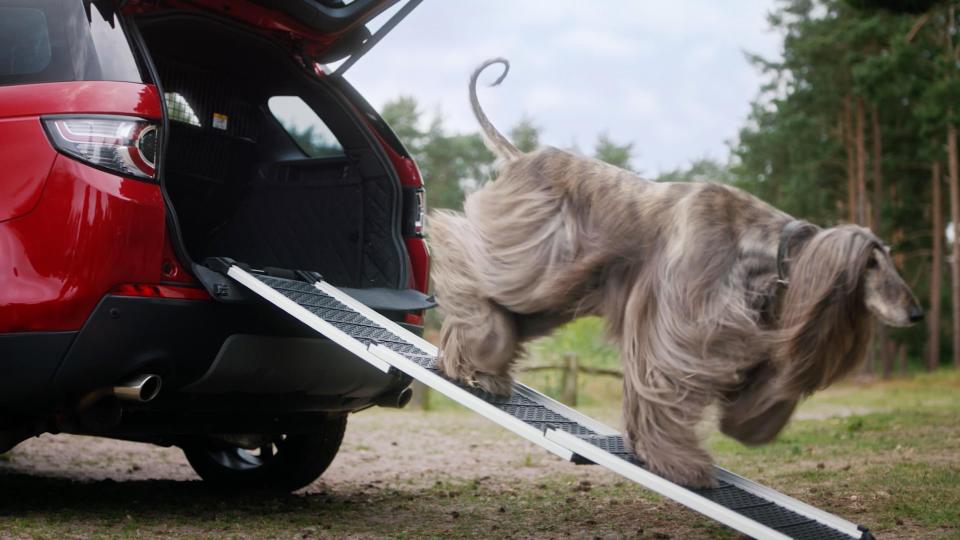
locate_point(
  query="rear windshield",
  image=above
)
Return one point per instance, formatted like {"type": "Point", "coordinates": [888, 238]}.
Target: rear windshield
{"type": "Point", "coordinates": [305, 127]}
{"type": "Point", "coordinates": [62, 40]}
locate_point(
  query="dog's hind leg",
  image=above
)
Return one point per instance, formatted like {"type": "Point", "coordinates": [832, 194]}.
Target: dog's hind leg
{"type": "Point", "coordinates": [661, 426]}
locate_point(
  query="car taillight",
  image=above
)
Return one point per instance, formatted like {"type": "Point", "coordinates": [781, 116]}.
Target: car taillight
{"type": "Point", "coordinates": [422, 212]}
{"type": "Point", "coordinates": [120, 144]}
{"type": "Point", "coordinates": [415, 208]}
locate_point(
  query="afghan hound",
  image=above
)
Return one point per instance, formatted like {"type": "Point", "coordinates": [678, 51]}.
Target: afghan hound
{"type": "Point", "coordinates": [711, 295]}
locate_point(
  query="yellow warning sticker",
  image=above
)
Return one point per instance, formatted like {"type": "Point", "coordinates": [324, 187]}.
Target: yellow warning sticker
{"type": "Point", "coordinates": [220, 121]}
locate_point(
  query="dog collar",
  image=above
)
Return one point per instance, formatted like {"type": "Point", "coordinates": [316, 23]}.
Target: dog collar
{"type": "Point", "coordinates": [787, 237]}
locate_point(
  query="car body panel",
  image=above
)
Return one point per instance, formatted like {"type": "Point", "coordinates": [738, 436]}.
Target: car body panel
{"type": "Point", "coordinates": [26, 153]}
{"type": "Point", "coordinates": [90, 232]}
{"type": "Point", "coordinates": [93, 97]}
{"type": "Point", "coordinates": [26, 156]}
{"type": "Point", "coordinates": [91, 288]}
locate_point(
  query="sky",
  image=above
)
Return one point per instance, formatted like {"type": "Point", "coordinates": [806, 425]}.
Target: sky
{"type": "Point", "coordinates": [671, 77]}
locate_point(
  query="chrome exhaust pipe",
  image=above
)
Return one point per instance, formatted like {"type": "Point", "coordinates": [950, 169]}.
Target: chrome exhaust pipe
{"type": "Point", "coordinates": [142, 388]}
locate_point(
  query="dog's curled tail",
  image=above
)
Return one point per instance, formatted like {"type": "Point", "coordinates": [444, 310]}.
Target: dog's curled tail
{"type": "Point", "coordinates": [495, 141]}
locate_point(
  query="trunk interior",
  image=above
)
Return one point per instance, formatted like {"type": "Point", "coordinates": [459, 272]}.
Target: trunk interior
{"type": "Point", "coordinates": [267, 165]}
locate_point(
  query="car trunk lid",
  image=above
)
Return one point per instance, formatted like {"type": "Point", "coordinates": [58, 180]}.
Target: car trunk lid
{"type": "Point", "coordinates": [318, 31]}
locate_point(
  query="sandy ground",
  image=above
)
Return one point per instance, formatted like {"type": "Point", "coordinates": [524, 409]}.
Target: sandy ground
{"type": "Point", "coordinates": [402, 447]}
{"type": "Point", "coordinates": [380, 446]}
{"type": "Point", "coordinates": [399, 474]}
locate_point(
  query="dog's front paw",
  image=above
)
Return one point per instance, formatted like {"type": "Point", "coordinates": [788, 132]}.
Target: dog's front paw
{"type": "Point", "coordinates": [501, 385]}
{"type": "Point", "coordinates": [692, 472]}
{"type": "Point", "coordinates": [695, 477]}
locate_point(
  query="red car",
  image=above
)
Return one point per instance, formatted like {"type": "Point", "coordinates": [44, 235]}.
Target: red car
{"type": "Point", "coordinates": [143, 143]}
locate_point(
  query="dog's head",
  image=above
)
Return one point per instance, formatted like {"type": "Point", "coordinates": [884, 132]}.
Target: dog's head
{"type": "Point", "coordinates": [885, 293]}
{"type": "Point", "coordinates": [837, 280]}
{"type": "Point", "coordinates": [849, 266]}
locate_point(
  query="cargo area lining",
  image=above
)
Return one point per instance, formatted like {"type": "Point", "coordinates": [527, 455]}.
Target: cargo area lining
{"type": "Point", "coordinates": [246, 191]}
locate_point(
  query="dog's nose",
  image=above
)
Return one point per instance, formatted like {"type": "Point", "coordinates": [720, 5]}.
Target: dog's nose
{"type": "Point", "coordinates": [915, 314]}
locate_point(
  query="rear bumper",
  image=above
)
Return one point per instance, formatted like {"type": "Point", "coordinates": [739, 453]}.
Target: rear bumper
{"type": "Point", "coordinates": [28, 361]}
{"type": "Point", "coordinates": [212, 356]}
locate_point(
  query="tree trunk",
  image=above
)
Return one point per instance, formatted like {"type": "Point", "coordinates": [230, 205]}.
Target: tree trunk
{"type": "Point", "coordinates": [869, 367]}
{"type": "Point", "coordinates": [861, 166]}
{"type": "Point", "coordinates": [882, 346]}
{"type": "Point", "coordinates": [953, 174]}
{"type": "Point", "coordinates": [877, 170]}
{"type": "Point", "coordinates": [568, 380]}
{"type": "Point", "coordinates": [936, 271]}
{"type": "Point", "coordinates": [884, 349]}
{"type": "Point", "coordinates": [847, 125]}
{"type": "Point", "coordinates": [902, 360]}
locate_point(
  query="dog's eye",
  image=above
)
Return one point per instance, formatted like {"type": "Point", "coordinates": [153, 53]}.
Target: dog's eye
{"type": "Point", "coordinates": [872, 262]}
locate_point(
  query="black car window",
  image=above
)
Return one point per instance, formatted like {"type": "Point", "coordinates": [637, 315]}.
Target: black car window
{"type": "Point", "coordinates": [305, 127]}
{"type": "Point", "coordinates": [24, 41]}
{"type": "Point", "coordinates": [179, 110]}
{"type": "Point", "coordinates": [63, 40]}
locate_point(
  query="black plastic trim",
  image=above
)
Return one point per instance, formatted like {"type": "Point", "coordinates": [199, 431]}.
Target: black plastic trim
{"type": "Point", "coordinates": [327, 18]}
{"type": "Point", "coordinates": [173, 224]}
{"type": "Point", "coordinates": [28, 361]}
{"type": "Point", "coordinates": [401, 300]}
{"type": "Point", "coordinates": [268, 365]}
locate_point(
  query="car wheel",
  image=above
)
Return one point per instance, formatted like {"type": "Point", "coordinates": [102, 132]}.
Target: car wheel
{"type": "Point", "coordinates": [282, 462]}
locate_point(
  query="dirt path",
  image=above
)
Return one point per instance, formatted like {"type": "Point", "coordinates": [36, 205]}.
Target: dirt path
{"type": "Point", "coordinates": [407, 449]}
{"type": "Point", "coordinates": [449, 474]}
{"type": "Point", "coordinates": [399, 474]}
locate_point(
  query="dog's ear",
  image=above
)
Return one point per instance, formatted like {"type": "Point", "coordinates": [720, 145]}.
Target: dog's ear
{"type": "Point", "coordinates": [792, 241]}
{"type": "Point", "coordinates": [824, 323]}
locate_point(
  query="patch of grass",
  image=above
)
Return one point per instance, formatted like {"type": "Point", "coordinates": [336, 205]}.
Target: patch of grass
{"type": "Point", "coordinates": [896, 468]}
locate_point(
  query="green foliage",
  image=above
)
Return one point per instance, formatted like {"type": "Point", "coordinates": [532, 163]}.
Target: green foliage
{"type": "Point", "coordinates": [584, 337]}
{"type": "Point", "coordinates": [606, 149]}
{"type": "Point", "coordinates": [526, 135]}
{"type": "Point", "coordinates": [793, 150]}
{"type": "Point", "coordinates": [700, 170]}
{"type": "Point", "coordinates": [896, 6]}
{"type": "Point", "coordinates": [447, 162]}
{"type": "Point", "coordinates": [452, 164]}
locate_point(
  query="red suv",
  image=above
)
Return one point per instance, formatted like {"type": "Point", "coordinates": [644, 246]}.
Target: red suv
{"type": "Point", "coordinates": [142, 144]}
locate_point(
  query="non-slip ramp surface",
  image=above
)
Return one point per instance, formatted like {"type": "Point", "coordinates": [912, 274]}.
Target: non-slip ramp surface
{"type": "Point", "coordinates": [748, 507]}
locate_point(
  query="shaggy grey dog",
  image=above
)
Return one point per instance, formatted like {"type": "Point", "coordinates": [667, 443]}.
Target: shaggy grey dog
{"type": "Point", "coordinates": [711, 295]}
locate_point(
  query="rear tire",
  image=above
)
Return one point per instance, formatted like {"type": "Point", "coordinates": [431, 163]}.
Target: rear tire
{"type": "Point", "coordinates": [293, 461]}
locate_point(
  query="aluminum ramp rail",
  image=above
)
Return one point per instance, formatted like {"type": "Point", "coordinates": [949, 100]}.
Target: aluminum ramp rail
{"type": "Point", "coordinates": [739, 503]}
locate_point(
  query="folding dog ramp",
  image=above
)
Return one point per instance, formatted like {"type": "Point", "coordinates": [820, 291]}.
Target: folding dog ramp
{"type": "Point", "coordinates": [739, 503]}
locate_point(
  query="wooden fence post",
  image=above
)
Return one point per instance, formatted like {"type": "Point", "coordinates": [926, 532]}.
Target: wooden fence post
{"type": "Point", "coordinates": [569, 379]}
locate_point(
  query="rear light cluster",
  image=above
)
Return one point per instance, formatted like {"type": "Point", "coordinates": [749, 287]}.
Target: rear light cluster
{"type": "Point", "coordinates": [415, 209]}
{"type": "Point", "coordinates": [120, 144]}
{"type": "Point", "coordinates": [421, 211]}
